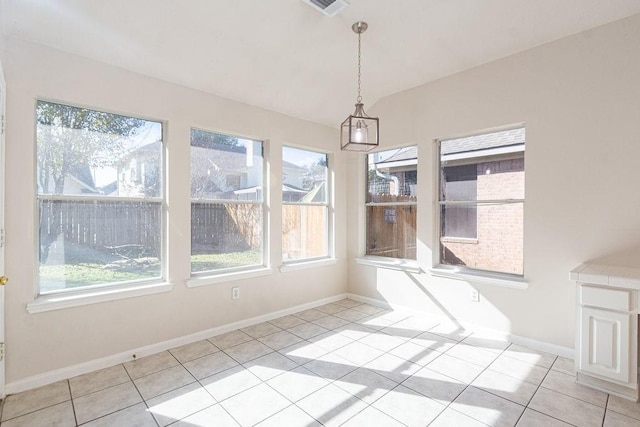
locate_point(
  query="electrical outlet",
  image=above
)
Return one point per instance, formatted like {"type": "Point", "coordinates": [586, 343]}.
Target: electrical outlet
{"type": "Point", "coordinates": [475, 295]}
{"type": "Point", "coordinates": [235, 293]}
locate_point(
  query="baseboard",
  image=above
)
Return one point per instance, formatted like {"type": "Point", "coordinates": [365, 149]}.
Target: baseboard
{"type": "Point", "coordinates": [106, 362]}
{"type": "Point", "coordinates": [516, 339]}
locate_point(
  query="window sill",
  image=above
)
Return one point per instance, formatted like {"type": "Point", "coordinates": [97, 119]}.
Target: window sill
{"type": "Point", "coordinates": [227, 277]}
{"type": "Point", "coordinates": [408, 265]}
{"type": "Point", "coordinates": [487, 278]}
{"type": "Point", "coordinates": [463, 240]}
{"type": "Point", "coordinates": [59, 301]}
{"type": "Point", "coordinates": [301, 265]}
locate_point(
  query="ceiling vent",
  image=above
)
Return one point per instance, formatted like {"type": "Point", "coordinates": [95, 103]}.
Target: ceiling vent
{"type": "Point", "coordinates": [327, 7]}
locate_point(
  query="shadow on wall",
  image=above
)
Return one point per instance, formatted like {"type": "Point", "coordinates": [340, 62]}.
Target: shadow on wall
{"type": "Point", "coordinates": [627, 257]}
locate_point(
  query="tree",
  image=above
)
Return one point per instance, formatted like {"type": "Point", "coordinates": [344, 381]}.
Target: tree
{"type": "Point", "coordinates": [315, 173]}
{"type": "Point", "coordinates": [205, 139]}
{"type": "Point", "coordinates": [213, 156]}
{"type": "Point", "coordinates": [70, 139]}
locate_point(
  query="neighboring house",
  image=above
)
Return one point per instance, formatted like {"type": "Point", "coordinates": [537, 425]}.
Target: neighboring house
{"type": "Point", "coordinates": [138, 171]}
{"type": "Point", "coordinates": [395, 175]}
{"type": "Point", "coordinates": [483, 167]}
{"type": "Point", "coordinates": [223, 172]}
{"type": "Point", "coordinates": [77, 182]}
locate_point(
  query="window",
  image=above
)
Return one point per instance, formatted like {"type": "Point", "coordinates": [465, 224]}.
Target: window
{"type": "Point", "coordinates": [227, 176]}
{"type": "Point", "coordinates": [391, 203]}
{"type": "Point", "coordinates": [482, 201]}
{"type": "Point", "coordinates": [99, 194]}
{"type": "Point", "coordinates": [305, 205]}
{"type": "Point", "coordinates": [460, 183]}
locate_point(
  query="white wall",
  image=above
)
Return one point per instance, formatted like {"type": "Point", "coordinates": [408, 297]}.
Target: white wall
{"type": "Point", "coordinates": [580, 100]}
{"type": "Point", "coordinates": [39, 343]}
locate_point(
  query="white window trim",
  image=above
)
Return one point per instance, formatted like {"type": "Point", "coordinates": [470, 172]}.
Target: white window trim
{"type": "Point", "coordinates": [408, 265]}
{"type": "Point", "coordinates": [228, 276]}
{"type": "Point", "coordinates": [309, 262]}
{"type": "Point", "coordinates": [306, 263]}
{"type": "Point", "coordinates": [210, 277]}
{"type": "Point", "coordinates": [61, 300]}
{"type": "Point", "coordinates": [496, 278]}
{"type": "Point", "coordinates": [92, 294]}
{"type": "Point", "coordinates": [482, 277]}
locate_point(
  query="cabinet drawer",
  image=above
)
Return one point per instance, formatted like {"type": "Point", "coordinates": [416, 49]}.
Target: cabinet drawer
{"type": "Point", "coordinates": [613, 299]}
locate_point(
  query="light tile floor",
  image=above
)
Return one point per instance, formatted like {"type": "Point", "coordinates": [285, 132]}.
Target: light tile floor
{"type": "Point", "coordinates": [344, 363]}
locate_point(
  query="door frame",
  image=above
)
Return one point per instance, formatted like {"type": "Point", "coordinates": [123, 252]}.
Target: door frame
{"type": "Point", "coordinates": [3, 97]}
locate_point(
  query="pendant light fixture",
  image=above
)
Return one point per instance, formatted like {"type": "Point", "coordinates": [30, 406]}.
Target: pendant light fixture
{"type": "Point", "coordinates": [359, 132]}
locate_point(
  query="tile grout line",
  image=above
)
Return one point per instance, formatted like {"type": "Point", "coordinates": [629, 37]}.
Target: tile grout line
{"type": "Point", "coordinates": [136, 387]}
{"type": "Point", "coordinates": [468, 384]}
{"type": "Point", "coordinates": [73, 406]}
{"type": "Point", "coordinates": [606, 405]}
{"type": "Point", "coordinates": [537, 389]}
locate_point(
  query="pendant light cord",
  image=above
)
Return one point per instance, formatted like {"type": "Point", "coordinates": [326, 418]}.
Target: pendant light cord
{"type": "Point", "coordinates": [359, 99]}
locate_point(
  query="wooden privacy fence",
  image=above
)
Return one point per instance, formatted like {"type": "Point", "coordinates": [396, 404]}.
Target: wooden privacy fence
{"type": "Point", "coordinates": [100, 225]}
{"type": "Point", "coordinates": [391, 229]}
{"type": "Point", "coordinates": [226, 227]}
{"type": "Point", "coordinates": [114, 226]}
{"type": "Point", "coordinates": [304, 231]}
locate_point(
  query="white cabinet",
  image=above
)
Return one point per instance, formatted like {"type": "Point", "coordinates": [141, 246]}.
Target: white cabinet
{"type": "Point", "coordinates": [605, 349]}
{"type": "Point", "coordinates": [607, 330]}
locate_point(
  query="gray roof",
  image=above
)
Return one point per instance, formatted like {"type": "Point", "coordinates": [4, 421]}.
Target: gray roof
{"type": "Point", "coordinates": [482, 142]}
{"type": "Point", "coordinates": [406, 153]}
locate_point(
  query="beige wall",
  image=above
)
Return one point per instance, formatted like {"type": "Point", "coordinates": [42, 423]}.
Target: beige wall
{"type": "Point", "coordinates": [39, 343]}
{"type": "Point", "coordinates": [580, 100]}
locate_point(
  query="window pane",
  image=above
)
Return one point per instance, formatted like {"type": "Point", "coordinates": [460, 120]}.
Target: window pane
{"type": "Point", "coordinates": [392, 175]}
{"type": "Point", "coordinates": [483, 235]}
{"type": "Point", "coordinates": [97, 157]}
{"type": "Point", "coordinates": [225, 235]}
{"type": "Point", "coordinates": [304, 232]}
{"type": "Point", "coordinates": [84, 243]}
{"type": "Point", "coordinates": [391, 231]}
{"type": "Point", "coordinates": [83, 152]}
{"type": "Point", "coordinates": [499, 241]}
{"type": "Point", "coordinates": [225, 167]}
{"type": "Point", "coordinates": [305, 229]}
{"type": "Point", "coordinates": [304, 176]}
{"type": "Point", "coordinates": [483, 167]}
{"type": "Point", "coordinates": [459, 221]}
{"type": "Point", "coordinates": [459, 182]}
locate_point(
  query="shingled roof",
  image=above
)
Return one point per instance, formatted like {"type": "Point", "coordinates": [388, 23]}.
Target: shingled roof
{"type": "Point", "coordinates": [482, 142]}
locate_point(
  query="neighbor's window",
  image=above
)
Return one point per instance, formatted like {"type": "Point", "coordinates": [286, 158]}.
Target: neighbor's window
{"type": "Point", "coordinates": [100, 193]}
{"type": "Point", "coordinates": [482, 201]}
{"type": "Point", "coordinates": [305, 204]}
{"type": "Point", "coordinates": [227, 176]}
{"type": "Point", "coordinates": [391, 203]}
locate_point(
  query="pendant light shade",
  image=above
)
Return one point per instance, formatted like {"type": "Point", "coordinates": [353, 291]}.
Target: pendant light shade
{"type": "Point", "coordinates": [359, 132]}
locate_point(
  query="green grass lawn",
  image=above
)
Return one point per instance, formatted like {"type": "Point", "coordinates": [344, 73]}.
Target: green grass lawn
{"type": "Point", "coordinates": [80, 274]}
{"type": "Point", "coordinates": [206, 262]}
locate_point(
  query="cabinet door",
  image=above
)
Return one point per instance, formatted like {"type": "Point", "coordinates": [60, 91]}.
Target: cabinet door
{"type": "Point", "coordinates": [605, 343]}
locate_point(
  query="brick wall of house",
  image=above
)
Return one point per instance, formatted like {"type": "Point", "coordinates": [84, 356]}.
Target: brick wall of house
{"type": "Point", "coordinates": [499, 243]}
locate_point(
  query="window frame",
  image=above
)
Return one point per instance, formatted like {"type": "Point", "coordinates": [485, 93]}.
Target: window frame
{"type": "Point", "coordinates": [89, 294]}
{"type": "Point", "coordinates": [476, 275]}
{"type": "Point", "coordinates": [293, 264]}
{"type": "Point", "coordinates": [208, 277]}
{"type": "Point", "coordinates": [407, 264]}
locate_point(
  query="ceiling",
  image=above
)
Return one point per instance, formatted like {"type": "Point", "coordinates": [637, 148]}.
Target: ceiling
{"type": "Point", "coordinates": [285, 56]}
